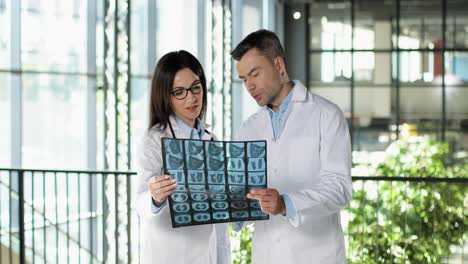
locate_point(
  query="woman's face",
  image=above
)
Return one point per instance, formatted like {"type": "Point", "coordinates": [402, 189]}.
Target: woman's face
{"type": "Point", "coordinates": [187, 109]}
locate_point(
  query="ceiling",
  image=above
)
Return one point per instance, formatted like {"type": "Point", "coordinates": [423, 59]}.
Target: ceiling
{"type": "Point", "coordinates": [387, 8]}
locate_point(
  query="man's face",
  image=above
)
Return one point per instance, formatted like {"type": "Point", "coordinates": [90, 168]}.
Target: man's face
{"type": "Point", "coordinates": [261, 78]}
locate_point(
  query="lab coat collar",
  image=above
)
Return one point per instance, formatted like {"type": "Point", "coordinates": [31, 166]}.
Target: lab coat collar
{"type": "Point", "coordinates": [176, 128]}
{"type": "Point", "coordinates": [299, 92]}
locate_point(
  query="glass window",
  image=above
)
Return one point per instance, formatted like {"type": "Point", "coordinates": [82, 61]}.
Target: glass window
{"type": "Point", "coordinates": [335, 34]}
{"type": "Point", "coordinates": [420, 110]}
{"type": "Point", "coordinates": [410, 66]}
{"type": "Point", "coordinates": [422, 23]}
{"type": "Point", "coordinates": [53, 38]}
{"type": "Point", "coordinates": [331, 67]}
{"type": "Point", "coordinates": [5, 124]}
{"type": "Point", "coordinates": [418, 66]}
{"type": "Point", "coordinates": [140, 86]}
{"type": "Point", "coordinates": [252, 16]}
{"type": "Point", "coordinates": [382, 72]}
{"type": "Point", "coordinates": [372, 101]}
{"type": "Point", "coordinates": [180, 17]}
{"type": "Point", "coordinates": [376, 70]}
{"type": "Point", "coordinates": [457, 116]}
{"type": "Point", "coordinates": [456, 68]}
{"type": "Point", "coordinates": [364, 66]}
{"type": "Point", "coordinates": [139, 37]}
{"type": "Point", "coordinates": [139, 114]}
{"type": "Point", "coordinates": [373, 117]}
{"type": "Point", "coordinates": [364, 35]}
{"type": "Point", "coordinates": [33, 6]}
{"type": "Point", "coordinates": [372, 25]}
{"type": "Point", "coordinates": [100, 110]}
{"type": "Point", "coordinates": [333, 80]}
{"type": "Point", "coordinates": [100, 44]}
{"type": "Point", "coordinates": [457, 24]}
{"type": "Point", "coordinates": [5, 25]}
{"type": "Point", "coordinates": [340, 95]}
{"type": "Point", "coordinates": [54, 121]}
{"type": "Point", "coordinates": [456, 92]}
{"type": "Point", "coordinates": [330, 25]}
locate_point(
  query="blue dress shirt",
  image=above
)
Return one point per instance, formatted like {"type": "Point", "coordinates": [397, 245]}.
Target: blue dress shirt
{"type": "Point", "coordinates": [277, 118]}
{"type": "Point", "coordinates": [277, 122]}
{"type": "Point", "coordinates": [190, 132]}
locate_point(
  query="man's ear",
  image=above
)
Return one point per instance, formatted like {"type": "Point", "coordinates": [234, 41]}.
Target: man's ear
{"type": "Point", "coordinates": [279, 65]}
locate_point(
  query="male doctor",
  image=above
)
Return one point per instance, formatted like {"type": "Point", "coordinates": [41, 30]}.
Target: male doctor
{"type": "Point", "coordinates": [309, 160]}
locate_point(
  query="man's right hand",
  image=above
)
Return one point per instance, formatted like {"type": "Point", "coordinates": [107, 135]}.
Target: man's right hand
{"type": "Point", "coordinates": [161, 187]}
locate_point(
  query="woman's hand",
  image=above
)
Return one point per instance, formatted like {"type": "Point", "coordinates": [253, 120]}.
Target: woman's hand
{"type": "Point", "coordinates": [161, 187]}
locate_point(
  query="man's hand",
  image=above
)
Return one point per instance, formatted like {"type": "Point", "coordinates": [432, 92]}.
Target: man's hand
{"type": "Point", "coordinates": [270, 201]}
{"type": "Point", "coordinates": [161, 187]}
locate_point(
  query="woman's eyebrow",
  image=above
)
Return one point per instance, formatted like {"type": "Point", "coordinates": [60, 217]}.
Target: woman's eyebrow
{"type": "Point", "coordinates": [195, 82]}
{"type": "Point", "coordinates": [180, 87]}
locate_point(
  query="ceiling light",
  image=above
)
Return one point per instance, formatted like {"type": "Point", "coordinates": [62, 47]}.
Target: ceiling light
{"type": "Point", "coordinates": [297, 15]}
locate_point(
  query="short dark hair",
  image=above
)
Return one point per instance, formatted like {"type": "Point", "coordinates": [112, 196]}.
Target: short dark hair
{"type": "Point", "coordinates": [267, 42]}
{"type": "Point", "coordinates": [162, 81]}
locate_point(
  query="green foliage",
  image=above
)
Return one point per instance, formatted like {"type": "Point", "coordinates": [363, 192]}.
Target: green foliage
{"type": "Point", "coordinates": [416, 157]}
{"type": "Point", "coordinates": [408, 222]}
{"type": "Point", "coordinates": [242, 245]}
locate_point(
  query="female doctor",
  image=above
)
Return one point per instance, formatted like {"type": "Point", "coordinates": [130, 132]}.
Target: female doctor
{"type": "Point", "coordinates": [177, 110]}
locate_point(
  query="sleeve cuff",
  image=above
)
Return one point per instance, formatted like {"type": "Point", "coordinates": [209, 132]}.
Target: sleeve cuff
{"type": "Point", "coordinates": [155, 209]}
{"type": "Point", "coordinates": [291, 212]}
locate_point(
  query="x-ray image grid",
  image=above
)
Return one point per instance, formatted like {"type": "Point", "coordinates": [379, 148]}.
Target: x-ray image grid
{"type": "Point", "coordinates": [213, 179]}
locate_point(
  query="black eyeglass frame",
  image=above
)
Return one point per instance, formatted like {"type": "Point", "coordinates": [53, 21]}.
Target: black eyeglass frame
{"type": "Point", "coordinates": [198, 85]}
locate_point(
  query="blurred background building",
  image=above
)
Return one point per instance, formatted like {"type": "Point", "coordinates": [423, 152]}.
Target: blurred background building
{"type": "Point", "coordinates": [74, 83]}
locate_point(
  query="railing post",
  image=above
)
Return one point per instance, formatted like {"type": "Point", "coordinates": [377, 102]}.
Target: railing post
{"type": "Point", "coordinates": [129, 221]}
{"type": "Point", "coordinates": [21, 216]}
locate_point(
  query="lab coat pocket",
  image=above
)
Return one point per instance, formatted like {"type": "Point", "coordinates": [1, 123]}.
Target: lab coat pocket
{"type": "Point", "coordinates": [304, 161]}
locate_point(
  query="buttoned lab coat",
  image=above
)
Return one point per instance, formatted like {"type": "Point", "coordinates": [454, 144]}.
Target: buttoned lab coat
{"type": "Point", "coordinates": [160, 243]}
{"type": "Point", "coordinates": [311, 163]}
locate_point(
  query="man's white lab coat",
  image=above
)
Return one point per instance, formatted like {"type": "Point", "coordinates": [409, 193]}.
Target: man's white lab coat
{"type": "Point", "coordinates": [311, 163]}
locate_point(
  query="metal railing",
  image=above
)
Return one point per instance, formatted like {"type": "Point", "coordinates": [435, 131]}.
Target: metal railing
{"type": "Point", "coordinates": [64, 216]}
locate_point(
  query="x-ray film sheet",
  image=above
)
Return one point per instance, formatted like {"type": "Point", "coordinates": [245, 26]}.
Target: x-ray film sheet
{"type": "Point", "coordinates": [213, 179]}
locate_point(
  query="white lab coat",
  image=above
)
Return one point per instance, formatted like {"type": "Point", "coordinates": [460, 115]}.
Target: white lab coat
{"type": "Point", "coordinates": [311, 162]}
{"type": "Point", "coordinates": [160, 243]}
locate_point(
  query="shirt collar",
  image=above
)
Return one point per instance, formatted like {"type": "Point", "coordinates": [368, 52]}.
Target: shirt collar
{"type": "Point", "coordinates": [187, 131]}
{"type": "Point", "coordinates": [284, 105]}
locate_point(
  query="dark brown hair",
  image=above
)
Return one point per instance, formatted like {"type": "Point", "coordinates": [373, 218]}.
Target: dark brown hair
{"type": "Point", "coordinates": [264, 40]}
{"type": "Point", "coordinates": [163, 79]}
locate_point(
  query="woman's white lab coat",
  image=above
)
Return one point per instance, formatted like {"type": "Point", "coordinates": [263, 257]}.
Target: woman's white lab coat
{"type": "Point", "coordinates": [311, 162]}
{"type": "Point", "coordinates": [160, 243]}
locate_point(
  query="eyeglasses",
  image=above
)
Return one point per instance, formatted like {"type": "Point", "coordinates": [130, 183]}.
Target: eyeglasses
{"type": "Point", "coordinates": [181, 93]}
